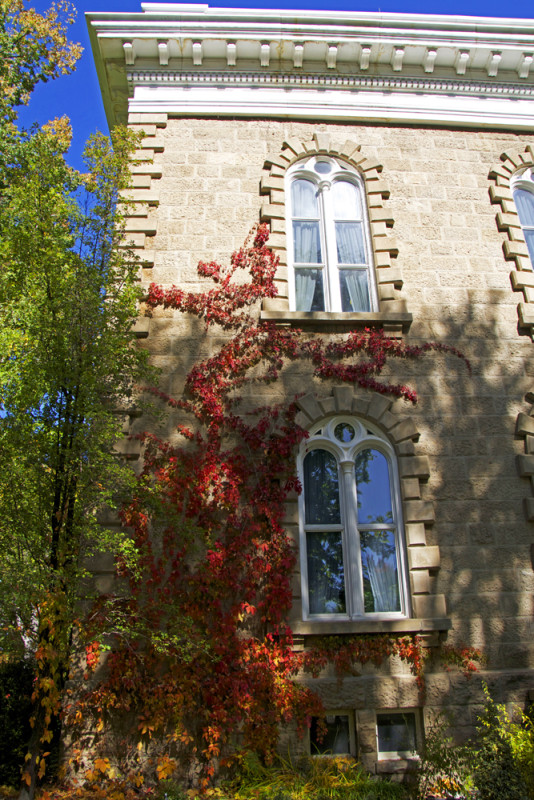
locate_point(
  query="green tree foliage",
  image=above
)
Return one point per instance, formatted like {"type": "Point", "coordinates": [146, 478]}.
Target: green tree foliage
{"type": "Point", "coordinates": [67, 303]}
{"type": "Point", "coordinates": [68, 360]}
{"type": "Point", "coordinates": [34, 48]}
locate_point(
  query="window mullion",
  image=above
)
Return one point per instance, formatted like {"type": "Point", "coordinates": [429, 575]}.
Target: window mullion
{"type": "Point", "coordinates": [334, 294]}
{"type": "Point", "coordinates": [353, 569]}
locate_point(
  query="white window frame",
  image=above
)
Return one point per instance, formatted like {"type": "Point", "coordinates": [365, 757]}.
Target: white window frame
{"type": "Point", "coordinates": [389, 755]}
{"type": "Point", "coordinates": [524, 180]}
{"type": "Point", "coordinates": [343, 712]}
{"type": "Point", "coordinates": [306, 169]}
{"type": "Point", "coordinates": [366, 436]}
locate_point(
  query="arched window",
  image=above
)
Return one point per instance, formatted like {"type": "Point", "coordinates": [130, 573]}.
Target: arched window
{"type": "Point", "coordinates": [329, 243]}
{"type": "Point", "coordinates": [352, 551]}
{"type": "Point", "coordinates": [523, 189]}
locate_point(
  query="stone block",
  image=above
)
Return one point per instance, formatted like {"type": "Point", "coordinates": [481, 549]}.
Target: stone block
{"type": "Point", "coordinates": [272, 211]}
{"type": "Point", "coordinates": [522, 279]}
{"type": "Point", "coordinates": [150, 196]}
{"type": "Point", "coordinates": [390, 275]}
{"type": "Point", "coordinates": [349, 148]}
{"type": "Point", "coordinates": [379, 405]}
{"type": "Point", "coordinates": [505, 221]}
{"type": "Point", "coordinates": [420, 581]}
{"type": "Point", "coordinates": [143, 155]}
{"type": "Point", "coordinates": [411, 489]}
{"type": "Point", "coordinates": [343, 398]}
{"type": "Point", "coordinates": [415, 533]}
{"type": "Point", "coordinates": [525, 464]}
{"type": "Point", "coordinates": [146, 168]}
{"type": "Point", "coordinates": [158, 119]}
{"type": "Point", "coordinates": [526, 313]}
{"type": "Point", "coordinates": [514, 248]}
{"type": "Point", "coordinates": [310, 406]}
{"type": "Point", "coordinates": [322, 142]}
{"type": "Point", "coordinates": [426, 557]}
{"type": "Point", "coordinates": [419, 511]}
{"type": "Point", "coordinates": [275, 304]}
{"type": "Point", "coordinates": [140, 225]}
{"type": "Point", "coordinates": [498, 193]}
{"type": "Point", "coordinates": [141, 327]}
{"type": "Point", "coordinates": [328, 405]}
{"type": "Point", "coordinates": [148, 130]}
{"type": "Point", "coordinates": [407, 429]}
{"type": "Point", "coordinates": [524, 425]}
{"type": "Point", "coordinates": [153, 142]}
{"type": "Point", "coordinates": [429, 606]}
{"type": "Point", "coordinates": [529, 508]}
{"type": "Point", "coordinates": [414, 466]}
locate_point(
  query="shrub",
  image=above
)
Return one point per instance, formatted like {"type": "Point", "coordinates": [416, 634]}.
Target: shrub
{"type": "Point", "coordinates": [336, 778]}
{"type": "Point", "coordinates": [445, 767]}
{"type": "Point", "coordinates": [505, 751]}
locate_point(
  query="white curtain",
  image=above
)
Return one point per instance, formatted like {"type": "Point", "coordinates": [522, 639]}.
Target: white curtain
{"type": "Point", "coordinates": [356, 286]}
{"type": "Point", "coordinates": [306, 281]}
{"type": "Point", "coordinates": [304, 199]}
{"type": "Point", "coordinates": [382, 573]}
{"type": "Point", "coordinates": [347, 200]}
{"type": "Point", "coordinates": [306, 242]}
{"type": "Point", "coordinates": [349, 241]}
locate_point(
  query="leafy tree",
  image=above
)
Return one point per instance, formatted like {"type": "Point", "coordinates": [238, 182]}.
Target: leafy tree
{"type": "Point", "coordinates": [34, 48]}
{"type": "Point", "coordinates": [68, 299]}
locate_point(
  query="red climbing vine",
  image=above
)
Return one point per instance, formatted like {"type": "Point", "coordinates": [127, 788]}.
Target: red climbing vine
{"type": "Point", "coordinates": [199, 645]}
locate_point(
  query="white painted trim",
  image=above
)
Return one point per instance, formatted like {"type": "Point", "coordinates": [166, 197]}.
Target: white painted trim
{"type": "Point", "coordinates": [375, 106]}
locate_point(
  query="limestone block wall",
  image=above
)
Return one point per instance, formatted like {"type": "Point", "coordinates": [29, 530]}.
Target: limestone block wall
{"type": "Point", "coordinates": [200, 181]}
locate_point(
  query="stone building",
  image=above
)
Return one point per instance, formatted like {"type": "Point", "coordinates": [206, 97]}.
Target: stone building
{"type": "Point", "coordinates": [393, 157]}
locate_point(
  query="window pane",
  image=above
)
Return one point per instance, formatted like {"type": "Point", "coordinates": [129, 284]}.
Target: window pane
{"type": "Point", "coordinates": [525, 206]}
{"type": "Point", "coordinates": [354, 286]}
{"type": "Point", "coordinates": [529, 239]}
{"type": "Point", "coordinates": [396, 733]}
{"type": "Point", "coordinates": [347, 200]}
{"type": "Point", "coordinates": [309, 290]}
{"type": "Point", "coordinates": [350, 245]}
{"type": "Point", "coordinates": [326, 577]}
{"type": "Point", "coordinates": [330, 735]}
{"type": "Point", "coordinates": [321, 489]}
{"type": "Point", "coordinates": [379, 570]}
{"type": "Point", "coordinates": [372, 485]}
{"type": "Point", "coordinates": [306, 242]}
{"type": "Point", "coordinates": [304, 199]}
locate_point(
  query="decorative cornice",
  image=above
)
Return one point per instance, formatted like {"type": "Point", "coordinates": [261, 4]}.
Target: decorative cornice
{"type": "Point", "coordinates": [387, 56]}
{"type": "Point", "coordinates": [343, 82]}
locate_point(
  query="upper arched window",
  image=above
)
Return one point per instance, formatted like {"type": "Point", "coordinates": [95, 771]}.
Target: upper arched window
{"type": "Point", "coordinates": [352, 550]}
{"type": "Point", "coordinates": [523, 189]}
{"type": "Point", "coordinates": [329, 243]}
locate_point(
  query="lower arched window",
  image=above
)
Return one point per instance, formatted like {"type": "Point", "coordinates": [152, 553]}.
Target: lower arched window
{"type": "Point", "coordinates": [523, 190]}
{"type": "Point", "coordinates": [351, 535]}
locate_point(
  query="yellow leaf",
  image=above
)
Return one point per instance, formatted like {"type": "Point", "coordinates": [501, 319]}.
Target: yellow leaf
{"type": "Point", "coordinates": [101, 764]}
{"type": "Point", "coordinates": [26, 777]}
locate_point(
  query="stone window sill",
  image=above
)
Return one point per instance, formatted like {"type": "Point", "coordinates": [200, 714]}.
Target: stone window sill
{"type": "Point", "coordinates": [358, 627]}
{"type": "Point", "coordinates": [392, 766]}
{"type": "Point", "coordinates": [327, 321]}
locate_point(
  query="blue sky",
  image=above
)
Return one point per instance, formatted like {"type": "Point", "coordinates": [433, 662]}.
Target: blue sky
{"type": "Point", "coordinates": [78, 95]}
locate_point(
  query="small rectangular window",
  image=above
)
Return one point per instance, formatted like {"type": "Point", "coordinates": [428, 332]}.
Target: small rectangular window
{"type": "Point", "coordinates": [396, 734]}
{"type": "Point", "coordinates": [332, 735]}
